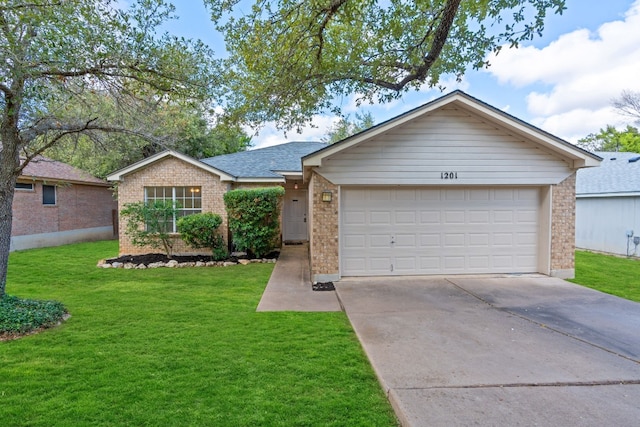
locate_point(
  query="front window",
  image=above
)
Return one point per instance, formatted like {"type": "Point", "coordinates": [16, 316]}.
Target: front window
{"type": "Point", "coordinates": [188, 200]}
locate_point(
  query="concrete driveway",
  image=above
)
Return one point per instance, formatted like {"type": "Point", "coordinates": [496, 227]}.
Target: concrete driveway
{"type": "Point", "coordinates": [508, 351]}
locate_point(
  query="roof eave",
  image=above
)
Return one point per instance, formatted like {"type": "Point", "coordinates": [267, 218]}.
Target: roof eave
{"type": "Point", "coordinates": [63, 180]}
{"type": "Point", "coordinates": [274, 180]}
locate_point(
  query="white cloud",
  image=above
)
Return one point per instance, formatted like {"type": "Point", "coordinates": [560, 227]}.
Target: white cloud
{"type": "Point", "coordinates": [269, 135]}
{"type": "Point", "coordinates": [575, 78]}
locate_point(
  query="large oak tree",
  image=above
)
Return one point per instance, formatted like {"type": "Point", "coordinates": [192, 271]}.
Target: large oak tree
{"type": "Point", "coordinates": [291, 59]}
{"type": "Point", "coordinates": [63, 50]}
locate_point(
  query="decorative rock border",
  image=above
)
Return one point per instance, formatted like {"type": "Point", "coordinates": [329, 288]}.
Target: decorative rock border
{"type": "Point", "coordinates": [105, 263]}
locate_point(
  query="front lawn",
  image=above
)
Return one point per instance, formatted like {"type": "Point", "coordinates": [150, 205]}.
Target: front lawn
{"type": "Point", "coordinates": [610, 274]}
{"type": "Point", "coordinates": [177, 347]}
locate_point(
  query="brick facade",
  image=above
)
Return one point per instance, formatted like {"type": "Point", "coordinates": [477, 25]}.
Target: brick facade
{"type": "Point", "coordinates": [325, 235]}
{"type": "Point", "coordinates": [78, 206]}
{"type": "Point", "coordinates": [563, 221]}
{"type": "Point", "coordinates": [171, 172]}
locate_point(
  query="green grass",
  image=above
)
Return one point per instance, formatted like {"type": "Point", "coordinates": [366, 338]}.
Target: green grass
{"type": "Point", "coordinates": [610, 274]}
{"type": "Point", "coordinates": [177, 347]}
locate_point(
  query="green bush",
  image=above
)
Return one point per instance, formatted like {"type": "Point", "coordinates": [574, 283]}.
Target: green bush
{"type": "Point", "coordinates": [19, 316]}
{"type": "Point", "coordinates": [201, 231]}
{"type": "Point", "coordinates": [151, 224]}
{"type": "Point", "coordinates": [254, 218]}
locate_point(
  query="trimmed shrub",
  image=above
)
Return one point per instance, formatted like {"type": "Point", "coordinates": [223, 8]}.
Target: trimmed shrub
{"type": "Point", "coordinates": [19, 316]}
{"type": "Point", "coordinates": [151, 224]}
{"type": "Point", "coordinates": [201, 231]}
{"type": "Point", "coordinates": [254, 218]}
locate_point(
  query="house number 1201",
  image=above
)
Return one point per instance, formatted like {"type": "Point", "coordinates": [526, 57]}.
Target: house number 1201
{"type": "Point", "coordinates": [448, 175]}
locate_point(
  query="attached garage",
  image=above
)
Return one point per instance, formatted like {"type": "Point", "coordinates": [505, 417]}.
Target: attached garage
{"type": "Point", "coordinates": [423, 230]}
{"type": "Point", "coordinates": [452, 187]}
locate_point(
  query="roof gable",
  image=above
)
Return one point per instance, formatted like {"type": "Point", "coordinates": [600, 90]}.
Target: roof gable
{"type": "Point", "coordinates": [119, 175]}
{"type": "Point", "coordinates": [510, 124]}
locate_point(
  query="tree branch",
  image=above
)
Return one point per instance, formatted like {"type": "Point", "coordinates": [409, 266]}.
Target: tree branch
{"type": "Point", "coordinates": [330, 13]}
{"type": "Point", "coordinates": [439, 40]}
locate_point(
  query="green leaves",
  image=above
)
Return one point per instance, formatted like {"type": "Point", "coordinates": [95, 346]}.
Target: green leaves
{"type": "Point", "coordinates": [254, 218]}
{"type": "Point", "coordinates": [292, 59]}
{"type": "Point", "coordinates": [611, 139]}
{"type": "Point", "coordinates": [19, 315]}
{"type": "Point", "coordinates": [151, 223]}
{"type": "Point", "coordinates": [201, 231]}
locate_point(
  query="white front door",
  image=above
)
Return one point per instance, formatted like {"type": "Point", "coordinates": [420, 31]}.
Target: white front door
{"type": "Point", "coordinates": [396, 231]}
{"type": "Point", "coordinates": [295, 215]}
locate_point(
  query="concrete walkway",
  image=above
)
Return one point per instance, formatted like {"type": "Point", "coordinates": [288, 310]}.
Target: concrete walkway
{"type": "Point", "coordinates": [289, 288]}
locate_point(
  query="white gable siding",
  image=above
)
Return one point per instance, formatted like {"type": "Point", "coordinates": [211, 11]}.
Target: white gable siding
{"type": "Point", "coordinates": [447, 140]}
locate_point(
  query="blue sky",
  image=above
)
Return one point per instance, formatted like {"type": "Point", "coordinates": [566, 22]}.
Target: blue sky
{"type": "Point", "coordinates": [562, 82]}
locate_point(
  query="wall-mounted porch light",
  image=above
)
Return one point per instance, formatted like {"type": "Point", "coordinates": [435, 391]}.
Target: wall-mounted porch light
{"type": "Point", "coordinates": [295, 185]}
{"type": "Point", "coordinates": [327, 196]}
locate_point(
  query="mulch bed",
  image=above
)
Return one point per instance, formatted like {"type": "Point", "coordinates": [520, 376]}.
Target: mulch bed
{"type": "Point", "coordinates": [147, 259]}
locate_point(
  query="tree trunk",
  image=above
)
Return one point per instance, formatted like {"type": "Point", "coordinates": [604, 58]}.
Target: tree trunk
{"type": "Point", "coordinates": [9, 163]}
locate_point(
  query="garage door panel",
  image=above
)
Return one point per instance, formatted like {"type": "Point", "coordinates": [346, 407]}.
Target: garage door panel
{"type": "Point", "coordinates": [479, 217]}
{"type": "Point", "coordinates": [354, 241]}
{"type": "Point", "coordinates": [408, 241]}
{"type": "Point", "coordinates": [405, 264]}
{"type": "Point", "coordinates": [481, 240]}
{"type": "Point", "coordinates": [479, 262]}
{"type": "Point", "coordinates": [406, 217]}
{"type": "Point", "coordinates": [377, 241]}
{"type": "Point", "coordinates": [454, 217]}
{"type": "Point", "coordinates": [439, 231]}
{"type": "Point", "coordinates": [429, 217]}
{"type": "Point", "coordinates": [454, 263]}
{"type": "Point", "coordinates": [355, 217]}
{"type": "Point", "coordinates": [379, 218]}
{"type": "Point", "coordinates": [503, 217]}
{"type": "Point", "coordinates": [430, 241]}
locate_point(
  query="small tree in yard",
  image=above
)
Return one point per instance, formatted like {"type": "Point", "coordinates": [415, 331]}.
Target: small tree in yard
{"type": "Point", "coordinates": [150, 224]}
{"type": "Point", "coordinates": [254, 218]}
{"type": "Point", "coordinates": [201, 231]}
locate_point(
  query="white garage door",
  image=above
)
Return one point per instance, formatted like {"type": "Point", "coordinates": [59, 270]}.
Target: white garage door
{"type": "Point", "coordinates": [403, 231]}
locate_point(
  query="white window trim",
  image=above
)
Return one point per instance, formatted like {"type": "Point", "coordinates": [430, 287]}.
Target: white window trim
{"type": "Point", "coordinates": [174, 201]}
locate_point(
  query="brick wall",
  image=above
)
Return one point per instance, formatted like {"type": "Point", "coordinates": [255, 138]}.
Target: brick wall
{"type": "Point", "coordinates": [171, 172]}
{"type": "Point", "coordinates": [324, 217]}
{"type": "Point", "coordinates": [77, 207]}
{"type": "Point", "coordinates": [563, 221]}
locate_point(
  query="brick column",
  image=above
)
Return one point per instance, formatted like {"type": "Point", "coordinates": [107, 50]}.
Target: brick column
{"type": "Point", "coordinates": [563, 223]}
{"type": "Point", "coordinates": [324, 242]}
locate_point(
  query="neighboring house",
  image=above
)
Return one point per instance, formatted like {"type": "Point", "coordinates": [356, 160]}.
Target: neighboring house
{"type": "Point", "coordinates": [608, 204]}
{"type": "Point", "coordinates": [452, 187]}
{"type": "Point", "coordinates": [55, 204]}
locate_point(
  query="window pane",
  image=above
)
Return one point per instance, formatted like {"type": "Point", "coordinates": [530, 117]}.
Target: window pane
{"type": "Point", "coordinates": [24, 186]}
{"type": "Point", "coordinates": [48, 195]}
{"type": "Point", "coordinates": [187, 199]}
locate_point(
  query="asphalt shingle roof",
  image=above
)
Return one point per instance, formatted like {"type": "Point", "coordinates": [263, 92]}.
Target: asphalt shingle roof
{"type": "Point", "coordinates": [615, 175]}
{"type": "Point", "coordinates": [44, 168]}
{"type": "Point", "coordinates": [265, 162]}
